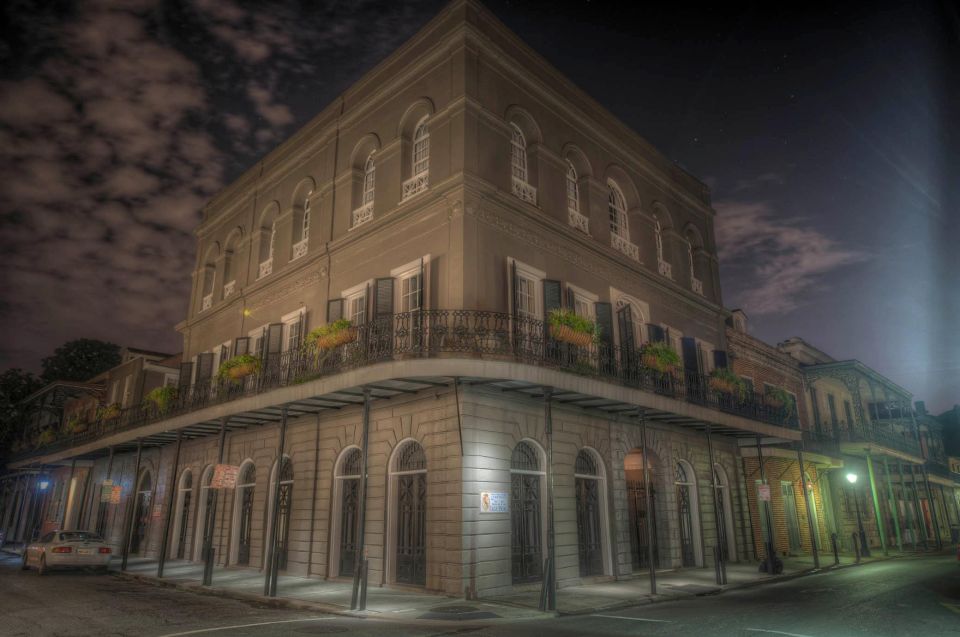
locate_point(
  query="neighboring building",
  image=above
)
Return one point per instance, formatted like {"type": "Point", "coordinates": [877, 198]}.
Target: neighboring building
{"type": "Point", "coordinates": [767, 370]}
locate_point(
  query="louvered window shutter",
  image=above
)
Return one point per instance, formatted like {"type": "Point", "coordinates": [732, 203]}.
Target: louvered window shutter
{"type": "Point", "coordinates": [274, 338]}
{"type": "Point", "coordinates": [515, 288]}
{"type": "Point", "coordinates": [656, 333]}
{"type": "Point", "coordinates": [720, 359]}
{"type": "Point", "coordinates": [204, 366]}
{"type": "Point", "coordinates": [423, 285]}
{"type": "Point", "coordinates": [691, 359]}
{"type": "Point", "coordinates": [552, 297]}
{"type": "Point", "coordinates": [241, 345]}
{"type": "Point", "coordinates": [571, 304]}
{"type": "Point", "coordinates": [224, 353]}
{"type": "Point", "coordinates": [625, 323]}
{"type": "Point", "coordinates": [334, 310]}
{"type": "Point", "coordinates": [604, 312]}
{"type": "Point", "coordinates": [186, 371]}
{"type": "Point", "coordinates": [383, 299]}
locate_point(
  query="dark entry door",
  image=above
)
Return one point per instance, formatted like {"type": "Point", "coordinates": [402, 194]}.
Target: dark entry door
{"type": "Point", "coordinates": [589, 536]}
{"type": "Point", "coordinates": [349, 537]}
{"type": "Point", "coordinates": [527, 551]}
{"type": "Point", "coordinates": [142, 519]}
{"type": "Point", "coordinates": [184, 523]}
{"type": "Point", "coordinates": [686, 525]}
{"type": "Point", "coordinates": [246, 526]}
{"type": "Point", "coordinates": [283, 524]}
{"type": "Point", "coordinates": [790, 512]}
{"type": "Point", "coordinates": [643, 523]}
{"type": "Point", "coordinates": [411, 529]}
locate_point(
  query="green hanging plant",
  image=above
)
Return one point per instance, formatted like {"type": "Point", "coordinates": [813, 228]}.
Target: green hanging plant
{"type": "Point", "coordinates": [108, 412]}
{"type": "Point", "coordinates": [569, 327]}
{"type": "Point", "coordinates": [162, 397]}
{"type": "Point", "coordinates": [725, 381]}
{"type": "Point", "coordinates": [778, 398]}
{"type": "Point", "coordinates": [660, 356]}
{"type": "Point", "coordinates": [329, 336]}
{"type": "Point", "coordinates": [238, 367]}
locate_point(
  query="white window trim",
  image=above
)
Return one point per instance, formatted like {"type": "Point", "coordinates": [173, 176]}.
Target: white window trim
{"type": "Point", "coordinates": [408, 268]}
{"type": "Point", "coordinates": [588, 297]}
{"type": "Point", "coordinates": [641, 307]}
{"type": "Point", "coordinates": [528, 272]}
{"type": "Point", "coordinates": [288, 320]}
{"type": "Point", "coordinates": [351, 294]}
{"type": "Point", "coordinates": [404, 272]}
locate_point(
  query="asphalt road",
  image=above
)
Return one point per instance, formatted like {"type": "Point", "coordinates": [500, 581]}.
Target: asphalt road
{"type": "Point", "coordinates": [899, 597]}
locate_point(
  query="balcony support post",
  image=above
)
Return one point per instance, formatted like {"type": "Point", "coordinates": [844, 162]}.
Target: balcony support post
{"type": "Point", "coordinates": [168, 518]}
{"type": "Point", "coordinates": [921, 521]}
{"type": "Point", "coordinates": [358, 596]}
{"type": "Point", "coordinates": [131, 506]}
{"type": "Point", "coordinates": [809, 501]}
{"type": "Point", "coordinates": [211, 514]}
{"type": "Point", "coordinates": [66, 509]}
{"type": "Point", "coordinates": [548, 596]}
{"type": "Point", "coordinates": [876, 505]}
{"type": "Point", "coordinates": [272, 563]}
{"type": "Point", "coordinates": [102, 508]}
{"type": "Point", "coordinates": [765, 511]}
{"type": "Point", "coordinates": [894, 508]}
{"type": "Point", "coordinates": [717, 510]}
{"type": "Point", "coordinates": [933, 509]}
{"type": "Point", "coordinates": [651, 547]}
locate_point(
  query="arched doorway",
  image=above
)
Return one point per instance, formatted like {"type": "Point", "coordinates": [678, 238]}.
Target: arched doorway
{"type": "Point", "coordinates": [526, 522]}
{"type": "Point", "coordinates": [642, 521]}
{"type": "Point", "coordinates": [688, 517]}
{"type": "Point", "coordinates": [725, 535]}
{"type": "Point", "coordinates": [283, 504]}
{"type": "Point", "coordinates": [204, 501]}
{"type": "Point", "coordinates": [182, 521]}
{"type": "Point", "coordinates": [243, 512]}
{"type": "Point", "coordinates": [588, 484]}
{"type": "Point", "coordinates": [346, 518]}
{"type": "Point", "coordinates": [141, 515]}
{"type": "Point", "coordinates": [409, 473]}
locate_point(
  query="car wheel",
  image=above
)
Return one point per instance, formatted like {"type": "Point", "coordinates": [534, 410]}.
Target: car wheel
{"type": "Point", "coordinates": [24, 566]}
{"type": "Point", "coordinates": [42, 569]}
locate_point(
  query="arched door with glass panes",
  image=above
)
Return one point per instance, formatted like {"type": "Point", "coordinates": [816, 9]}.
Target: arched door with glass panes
{"type": "Point", "coordinates": [284, 503]}
{"type": "Point", "coordinates": [643, 520]}
{"type": "Point", "coordinates": [349, 482]}
{"type": "Point", "coordinates": [204, 504]}
{"type": "Point", "coordinates": [587, 482]}
{"type": "Point", "coordinates": [525, 516]}
{"type": "Point", "coordinates": [686, 492]}
{"type": "Point", "coordinates": [411, 484]}
{"type": "Point", "coordinates": [246, 487]}
{"type": "Point", "coordinates": [725, 538]}
{"type": "Point", "coordinates": [183, 512]}
{"type": "Point", "coordinates": [141, 516]}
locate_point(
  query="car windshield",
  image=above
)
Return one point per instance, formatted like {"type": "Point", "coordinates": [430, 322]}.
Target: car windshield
{"type": "Point", "coordinates": [80, 536]}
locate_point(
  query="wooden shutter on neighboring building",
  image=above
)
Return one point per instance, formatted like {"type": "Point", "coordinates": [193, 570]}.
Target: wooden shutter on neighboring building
{"type": "Point", "coordinates": [691, 358]}
{"type": "Point", "coordinates": [604, 312]}
{"type": "Point", "coordinates": [186, 372]}
{"type": "Point", "coordinates": [274, 338]}
{"type": "Point", "coordinates": [657, 333]}
{"type": "Point", "coordinates": [719, 359]}
{"type": "Point", "coordinates": [383, 299]}
{"type": "Point", "coordinates": [334, 310]}
{"type": "Point", "coordinates": [204, 366]}
{"type": "Point", "coordinates": [241, 345]}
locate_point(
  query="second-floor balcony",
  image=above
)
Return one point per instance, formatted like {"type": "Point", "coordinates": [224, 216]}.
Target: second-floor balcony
{"type": "Point", "coordinates": [265, 268]}
{"type": "Point", "coordinates": [361, 215]}
{"type": "Point", "coordinates": [415, 185]}
{"type": "Point", "coordinates": [300, 248]}
{"type": "Point", "coordinates": [523, 190]}
{"type": "Point", "coordinates": [624, 246]}
{"type": "Point", "coordinates": [665, 269]}
{"type": "Point", "coordinates": [880, 436]}
{"type": "Point", "coordinates": [578, 221]}
{"type": "Point", "coordinates": [445, 336]}
{"type": "Point", "coordinates": [207, 302]}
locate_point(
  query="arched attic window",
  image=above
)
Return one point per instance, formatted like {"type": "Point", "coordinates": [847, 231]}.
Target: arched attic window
{"type": "Point", "coordinates": [520, 176]}
{"type": "Point", "coordinates": [420, 161]}
{"type": "Point", "coordinates": [693, 241]}
{"type": "Point", "coordinates": [663, 266]}
{"type": "Point", "coordinates": [301, 221]}
{"type": "Point", "coordinates": [209, 275]}
{"type": "Point", "coordinates": [619, 228]}
{"type": "Point", "coordinates": [572, 181]}
{"type": "Point", "coordinates": [268, 241]}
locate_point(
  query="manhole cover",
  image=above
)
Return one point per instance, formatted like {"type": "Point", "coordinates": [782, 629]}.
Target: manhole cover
{"type": "Point", "coordinates": [454, 609]}
{"type": "Point", "coordinates": [320, 630]}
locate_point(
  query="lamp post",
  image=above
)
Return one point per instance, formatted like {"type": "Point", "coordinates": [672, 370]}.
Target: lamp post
{"type": "Point", "coordinates": [864, 549]}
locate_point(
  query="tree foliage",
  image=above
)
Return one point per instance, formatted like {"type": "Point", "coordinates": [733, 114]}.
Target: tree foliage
{"type": "Point", "coordinates": [80, 360]}
{"type": "Point", "coordinates": [15, 385]}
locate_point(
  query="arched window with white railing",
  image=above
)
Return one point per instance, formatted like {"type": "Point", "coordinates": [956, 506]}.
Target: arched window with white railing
{"type": "Point", "coordinates": [619, 228]}
{"type": "Point", "coordinates": [420, 161]}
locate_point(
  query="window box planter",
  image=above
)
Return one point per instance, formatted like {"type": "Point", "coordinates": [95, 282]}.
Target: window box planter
{"type": "Point", "coordinates": [45, 438]}
{"type": "Point", "coordinates": [162, 397]}
{"type": "Point", "coordinates": [777, 398]}
{"type": "Point", "coordinates": [660, 357]}
{"type": "Point", "coordinates": [333, 335]}
{"type": "Point", "coordinates": [238, 367]}
{"type": "Point", "coordinates": [109, 412]}
{"type": "Point", "coordinates": [567, 327]}
{"type": "Point", "coordinates": [725, 381]}
{"type": "Point", "coordinates": [76, 425]}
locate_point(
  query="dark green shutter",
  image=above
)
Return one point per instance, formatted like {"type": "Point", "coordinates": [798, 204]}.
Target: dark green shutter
{"type": "Point", "coordinates": [515, 289]}
{"type": "Point", "coordinates": [204, 366]}
{"type": "Point", "coordinates": [552, 296]}
{"type": "Point", "coordinates": [691, 359]}
{"type": "Point", "coordinates": [625, 323]}
{"type": "Point", "coordinates": [334, 310]}
{"type": "Point", "coordinates": [274, 338]}
{"type": "Point", "coordinates": [604, 312]}
{"type": "Point", "coordinates": [720, 359]}
{"type": "Point", "coordinates": [656, 333]}
{"type": "Point", "coordinates": [241, 345]}
{"type": "Point", "coordinates": [186, 371]}
{"type": "Point", "coordinates": [383, 299]}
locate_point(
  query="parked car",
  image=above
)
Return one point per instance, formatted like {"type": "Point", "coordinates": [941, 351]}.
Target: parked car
{"type": "Point", "coordinates": [67, 549]}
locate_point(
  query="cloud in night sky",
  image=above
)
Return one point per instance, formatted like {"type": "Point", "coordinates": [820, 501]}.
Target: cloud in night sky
{"type": "Point", "coordinates": [779, 261]}
{"type": "Point", "coordinates": [113, 138]}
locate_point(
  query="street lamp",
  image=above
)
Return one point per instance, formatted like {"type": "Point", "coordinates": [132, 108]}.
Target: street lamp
{"type": "Point", "coordinates": [864, 549]}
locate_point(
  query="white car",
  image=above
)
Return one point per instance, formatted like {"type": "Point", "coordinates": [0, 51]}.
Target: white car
{"type": "Point", "coordinates": [67, 549]}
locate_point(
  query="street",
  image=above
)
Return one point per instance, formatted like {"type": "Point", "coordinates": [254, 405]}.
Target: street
{"type": "Point", "coordinates": [918, 596]}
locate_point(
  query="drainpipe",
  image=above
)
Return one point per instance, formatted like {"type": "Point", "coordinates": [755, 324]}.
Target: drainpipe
{"type": "Point", "coordinates": [551, 574]}
{"type": "Point", "coordinates": [211, 513]}
{"type": "Point", "coordinates": [921, 521]}
{"type": "Point", "coordinates": [717, 503]}
{"type": "Point", "coordinates": [765, 510]}
{"type": "Point", "coordinates": [270, 582]}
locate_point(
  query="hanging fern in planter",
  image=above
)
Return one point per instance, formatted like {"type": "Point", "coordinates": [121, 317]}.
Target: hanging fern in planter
{"type": "Point", "coordinates": [108, 412]}
{"type": "Point", "coordinates": [330, 336]}
{"type": "Point", "coordinates": [660, 356]}
{"type": "Point", "coordinates": [238, 367]}
{"type": "Point", "coordinates": [572, 328]}
{"type": "Point", "coordinates": [778, 398]}
{"type": "Point", "coordinates": [725, 381]}
{"type": "Point", "coordinates": [162, 397]}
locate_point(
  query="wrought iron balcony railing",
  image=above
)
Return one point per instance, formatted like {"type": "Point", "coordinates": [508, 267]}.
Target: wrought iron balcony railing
{"type": "Point", "coordinates": [900, 440]}
{"type": "Point", "coordinates": [942, 469]}
{"type": "Point", "coordinates": [448, 334]}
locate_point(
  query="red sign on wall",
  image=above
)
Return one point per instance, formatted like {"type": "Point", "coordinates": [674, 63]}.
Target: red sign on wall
{"type": "Point", "coordinates": [224, 476]}
{"type": "Point", "coordinates": [763, 492]}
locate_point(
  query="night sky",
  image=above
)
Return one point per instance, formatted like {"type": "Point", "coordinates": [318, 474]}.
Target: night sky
{"type": "Point", "coordinates": [830, 140]}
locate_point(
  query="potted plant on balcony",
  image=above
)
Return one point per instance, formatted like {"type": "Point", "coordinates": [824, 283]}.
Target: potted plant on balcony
{"type": "Point", "coordinates": [777, 397]}
{"type": "Point", "coordinates": [660, 356]}
{"type": "Point", "coordinates": [76, 424]}
{"type": "Point", "coordinates": [332, 335]}
{"type": "Point", "coordinates": [162, 397]}
{"type": "Point", "coordinates": [568, 327]}
{"type": "Point", "coordinates": [725, 381]}
{"type": "Point", "coordinates": [238, 367]}
{"type": "Point", "coordinates": [46, 437]}
{"type": "Point", "coordinates": [109, 412]}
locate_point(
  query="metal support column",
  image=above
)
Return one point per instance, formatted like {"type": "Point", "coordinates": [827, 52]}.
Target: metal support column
{"type": "Point", "coordinates": [270, 583]}
{"type": "Point", "coordinates": [894, 505]}
{"type": "Point", "coordinates": [765, 511]}
{"type": "Point", "coordinates": [548, 594]}
{"type": "Point", "coordinates": [808, 501]}
{"type": "Point", "coordinates": [359, 559]}
{"type": "Point", "coordinates": [933, 509]}
{"type": "Point", "coordinates": [717, 508]}
{"type": "Point", "coordinates": [62, 523]}
{"type": "Point", "coordinates": [171, 500]}
{"type": "Point", "coordinates": [210, 521]}
{"type": "Point", "coordinates": [647, 485]}
{"type": "Point", "coordinates": [876, 505]}
{"type": "Point", "coordinates": [131, 506]}
{"type": "Point", "coordinates": [102, 509]}
{"type": "Point", "coordinates": [921, 521]}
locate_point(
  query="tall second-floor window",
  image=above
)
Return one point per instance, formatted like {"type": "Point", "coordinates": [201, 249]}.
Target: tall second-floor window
{"type": "Point", "coordinates": [421, 148]}
{"type": "Point", "coordinates": [305, 229]}
{"type": "Point", "coordinates": [573, 190]}
{"type": "Point", "coordinates": [617, 207]}
{"type": "Point", "coordinates": [518, 154]}
{"type": "Point", "coordinates": [356, 306]}
{"type": "Point", "coordinates": [658, 235]}
{"type": "Point", "coordinates": [410, 284]}
{"type": "Point", "coordinates": [369, 180]}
